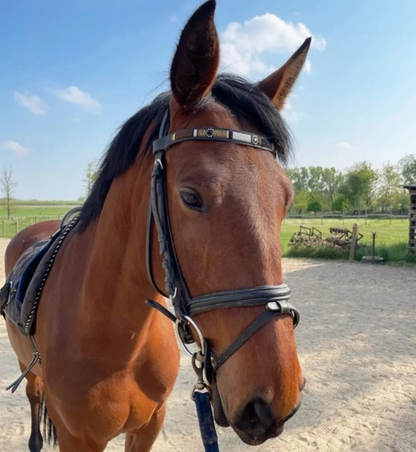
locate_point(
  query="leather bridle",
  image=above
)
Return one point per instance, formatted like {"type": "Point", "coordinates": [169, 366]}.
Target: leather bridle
{"type": "Point", "coordinates": [274, 298]}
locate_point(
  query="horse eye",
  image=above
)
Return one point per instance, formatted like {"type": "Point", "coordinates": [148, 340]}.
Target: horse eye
{"type": "Point", "coordinates": [191, 199]}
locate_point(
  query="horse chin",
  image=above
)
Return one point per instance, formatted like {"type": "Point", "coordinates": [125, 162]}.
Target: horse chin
{"type": "Point", "coordinates": [256, 441]}
{"type": "Point", "coordinates": [219, 413]}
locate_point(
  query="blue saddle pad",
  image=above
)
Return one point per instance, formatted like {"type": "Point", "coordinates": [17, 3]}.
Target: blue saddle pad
{"type": "Point", "coordinates": [14, 294]}
{"type": "Point", "coordinates": [20, 296]}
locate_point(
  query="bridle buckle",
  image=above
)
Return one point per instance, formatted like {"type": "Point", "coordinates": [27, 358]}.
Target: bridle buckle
{"type": "Point", "coordinates": [285, 308]}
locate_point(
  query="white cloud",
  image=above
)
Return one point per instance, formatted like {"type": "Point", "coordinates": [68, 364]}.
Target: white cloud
{"type": "Point", "coordinates": [74, 95]}
{"type": "Point", "coordinates": [244, 45]}
{"type": "Point", "coordinates": [15, 147]}
{"type": "Point", "coordinates": [343, 145]}
{"type": "Point", "coordinates": [288, 113]}
{"type": "Point", "coordinates": [34, 103]}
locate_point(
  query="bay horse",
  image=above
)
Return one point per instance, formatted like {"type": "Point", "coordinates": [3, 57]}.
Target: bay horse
{"type": "Point", "coordinates": [108, 360]}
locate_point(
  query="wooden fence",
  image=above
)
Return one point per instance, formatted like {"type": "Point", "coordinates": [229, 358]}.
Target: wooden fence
{"type": "Point", "coordinates": [342, 218]}
{"type": "Point", "coordinates": [10, 227]}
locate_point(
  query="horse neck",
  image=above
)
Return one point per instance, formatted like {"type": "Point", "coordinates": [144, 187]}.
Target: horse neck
{"type": "Point", "coordinates": [116, 284]}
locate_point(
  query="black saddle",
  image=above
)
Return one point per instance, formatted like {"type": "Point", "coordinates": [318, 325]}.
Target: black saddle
{"type": "Point", "coordinates": [20, 295]}
{"type": "Point", "coordinates": [14, 292]}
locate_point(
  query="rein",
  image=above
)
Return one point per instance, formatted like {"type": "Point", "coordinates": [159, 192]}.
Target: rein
{"type": "Point", "coordinates": [274, 298]}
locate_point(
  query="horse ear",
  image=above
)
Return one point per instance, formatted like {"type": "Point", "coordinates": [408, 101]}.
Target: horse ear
{"type": "Point", "coordinates": [195, 64]}
{"type": "Point", "coordinates": [278, 85]}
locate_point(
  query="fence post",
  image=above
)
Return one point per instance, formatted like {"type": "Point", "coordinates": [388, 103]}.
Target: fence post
{"type": "Point", "coordinates": [17, 225]}
{"type": "Point", "coordinates": [353, 241]}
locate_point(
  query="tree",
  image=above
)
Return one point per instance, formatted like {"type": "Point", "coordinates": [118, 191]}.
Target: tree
{"type": "Point", "coordinates": [299, 178]}
{"type": "Point", "coordinates": [91, 174]}
{"type": "Point", "coordinates": [315, 179]}
{"type": "Point", "coordinates": [300, 202]}
{"type": "Point", "coordinates": [407, 166]}
{"type": "Point", "coordinates": [314, 204]}
{"type": "Point", "coordinates": [340, 204]}
{"type": "Point", "coordinates": [359, 186]}
{"type": "Point", "coordinates": [389, 187]}
{"type": "Point", "coordinates": [323, 183]}
{"type": "Point", "coordinates": [332, 180]}
{"type": "Point", "coordinates": [401, 201]}
{"type": "Point", "coordinates": [8, 186]}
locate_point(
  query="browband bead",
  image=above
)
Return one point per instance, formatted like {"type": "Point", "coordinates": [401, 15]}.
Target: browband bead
{"type": "Point", "coordinates": [213, 134]}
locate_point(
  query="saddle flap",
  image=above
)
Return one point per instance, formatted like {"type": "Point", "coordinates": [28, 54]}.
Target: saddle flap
{"type": "Point", "coordinates": [14, 292]}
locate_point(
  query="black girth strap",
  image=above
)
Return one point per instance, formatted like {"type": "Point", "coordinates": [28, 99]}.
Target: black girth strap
{"type": "Point", "coordinates": [273, 298]}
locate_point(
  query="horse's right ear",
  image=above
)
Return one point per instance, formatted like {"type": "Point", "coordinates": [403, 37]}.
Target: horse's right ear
{"type": "Point", "coordinates": [195, 64]}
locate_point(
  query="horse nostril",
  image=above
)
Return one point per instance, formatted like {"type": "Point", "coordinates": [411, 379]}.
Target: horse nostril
{"type": "Point", "coordinates": [257, 423]}
{"type": "Point", "coordinates": [257, 415]}
{"type": "Point", "coordinates": [264, 413]}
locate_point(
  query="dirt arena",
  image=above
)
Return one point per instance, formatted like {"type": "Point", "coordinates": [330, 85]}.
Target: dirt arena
{"type": "Point", "coordinates": [357, 346]}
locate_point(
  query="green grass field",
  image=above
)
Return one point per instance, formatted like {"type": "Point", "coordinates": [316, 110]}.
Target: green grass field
{"type": "Point", "coordinates": [35, 202]}
{"type": "Point", "coordinates": [39, 211]}
{"type": "Point", "coordinates": [391, 241]}
{"type": "Point", "coordinates": [387, 234]}
{"type": "Point", "coordinates": [25, 213]}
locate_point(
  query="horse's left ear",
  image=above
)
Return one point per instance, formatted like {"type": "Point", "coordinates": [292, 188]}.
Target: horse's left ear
{"type": "Point", "coordinates": [197, 57]}
{"type": "Point", "coordinates": [278, 85]}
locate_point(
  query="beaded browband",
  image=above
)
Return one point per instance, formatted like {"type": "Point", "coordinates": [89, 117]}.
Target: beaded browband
{"type": "Point", "coordinates": [213, 134]}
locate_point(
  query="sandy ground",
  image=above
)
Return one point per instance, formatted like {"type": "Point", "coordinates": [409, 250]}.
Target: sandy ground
{"type": "Point", "coordinates": [357, 345]}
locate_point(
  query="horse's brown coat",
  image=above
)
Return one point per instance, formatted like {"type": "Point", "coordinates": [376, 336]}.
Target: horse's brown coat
{"type": "Point", "coordinates": [109, 362]}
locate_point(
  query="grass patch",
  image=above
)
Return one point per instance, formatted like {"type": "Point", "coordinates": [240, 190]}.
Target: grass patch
{"type": "Point", "coordinates": [319, 252]}
{"type": "Point", "coordinates": [29, 212]}
{"type": "Point", "coordinates": [392, 253]}
{"type": "Point", "coordinates": [35, 202]}
{"type": "Point", "coordinates": [391, 239]}
{"type": "Point", "coordinates": [396, 252]}
{"type": "Point", "coordinates": [40, 211]}
{"type": "Point", "coordinates": [37, 212]}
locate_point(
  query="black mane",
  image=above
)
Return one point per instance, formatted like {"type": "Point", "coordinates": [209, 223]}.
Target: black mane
{"type": "Point", "coordinates": [240, 97]}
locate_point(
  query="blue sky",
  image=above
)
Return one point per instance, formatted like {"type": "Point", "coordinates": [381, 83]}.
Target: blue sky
{"type": "Point", "coordinates": [72, 72]}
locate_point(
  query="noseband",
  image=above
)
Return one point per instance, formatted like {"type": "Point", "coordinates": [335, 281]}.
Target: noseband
{"type": "Point", "coordinates": [274, 298]}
